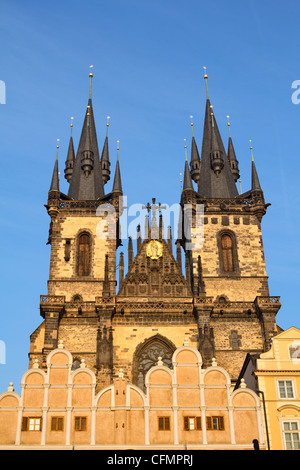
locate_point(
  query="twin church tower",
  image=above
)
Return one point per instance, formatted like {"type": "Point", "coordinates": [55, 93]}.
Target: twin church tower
{"type": "Point", "coordinates": [214, 296]}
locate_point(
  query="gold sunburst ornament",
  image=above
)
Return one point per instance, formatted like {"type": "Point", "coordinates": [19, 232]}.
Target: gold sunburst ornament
{"type": "Point", "coordinates": [154, 249]}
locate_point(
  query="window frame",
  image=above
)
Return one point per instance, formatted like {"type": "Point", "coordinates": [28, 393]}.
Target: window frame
{"type": "Point", "coordinates": [278, 390]}
{"type": "Point", "coordinates": [81, 420]}
{"type": "Point", "coordinates": [234, 250]}
{"type": "Point", "coordinates": [291, 431]}
{"type": "Point", "coordinates": [26, 423]}
{"type": "Point", "coordinates": [79, 235]}
{"type": "Point", "coordinates": [57, 419]}
{"type": "Point", "coordinates": [227, 253]}
{"type": "Point", "coordinates": [235, 340]}
{"type": "Point", "coordinates": [166, 423]}
{"type": "Point", "coordinates": [220, 423]}
{"type": "Point", "coordinates": [187, 423]}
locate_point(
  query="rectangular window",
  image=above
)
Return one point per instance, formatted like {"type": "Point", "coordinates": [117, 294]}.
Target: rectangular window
{"type": "Point", "coordinates": [31, 423]}
{"type": "Point", "coordinates": [291, 435]}
{"type": "Point", "coordinates": [215, 423]}
{"type": "Point", "coordinates": [164, 423]}
{"type": "Point", "coordinates": [80, 423]}
{"type": "Point", "coordinates": [57, 424]}
{"type": "Point", "coordinates": [286, 389]}
{"type": "Point", "coordinates": [192, 423]}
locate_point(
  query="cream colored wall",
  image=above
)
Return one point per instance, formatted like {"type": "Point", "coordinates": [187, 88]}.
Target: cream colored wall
{"type": "Point", "coordinates": [121, 414]}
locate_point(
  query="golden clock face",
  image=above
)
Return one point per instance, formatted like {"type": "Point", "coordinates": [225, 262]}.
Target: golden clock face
{"type": "Point", "coordinates": [154, 249]}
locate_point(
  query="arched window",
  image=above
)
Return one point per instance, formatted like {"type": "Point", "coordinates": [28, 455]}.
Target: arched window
{"type": "Point", "coordinates": [84, 255]}
{"type": "Point", "coordinates": [147, 354]}
{"type": "Point", "coordinates": [76, 364]}
{"type": "Point", "coordinates": [227, 253]}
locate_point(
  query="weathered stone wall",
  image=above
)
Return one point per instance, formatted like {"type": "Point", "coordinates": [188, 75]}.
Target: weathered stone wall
{"type": "Point", "coordinates": [249, 278]}
{"type": "Point", "coordinates": [63, 277]}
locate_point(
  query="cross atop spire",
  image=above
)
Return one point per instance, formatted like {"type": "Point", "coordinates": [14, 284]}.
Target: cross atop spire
{"type": "Point", "coordinates": [153, 207]}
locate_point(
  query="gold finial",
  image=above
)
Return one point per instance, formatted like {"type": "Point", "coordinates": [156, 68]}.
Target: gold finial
{"type": "Point", "coordinates": [91, 76]}
{"type": "Point", "coordinates": [240, 181]}
{"type": "Point", "coordinates": [228, 124]}
{"type": "Point", "coordinates": [180, 181]}
{"type": "Point", "coordinates": [88, 114]}
{"type": "Point", "coordinates": [251, 150]}
{"type": "Point", "coordinates": [71, 125]}
{"type": "Point", "coordinates": [212, 116]}
{"type": "Point", "coordinates": [57, 147]}
{"type": "Point", "coordinates": [185, 149]}
{"type": "Point", "coordinates": [192, 124]}
{"type": "Point", "coordinates": [118, 149]}
{"type": "Point", "coordinates": [107, 125]}
{"type": "Point", "coordinates": [205, 78]}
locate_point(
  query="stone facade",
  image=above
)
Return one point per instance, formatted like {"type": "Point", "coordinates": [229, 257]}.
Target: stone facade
{"type": "Point", "coordinates": [214, 294]}
{"type": "Point", "coordinates": [170, 290]}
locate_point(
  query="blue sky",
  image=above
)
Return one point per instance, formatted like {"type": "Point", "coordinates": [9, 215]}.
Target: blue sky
{"type": "Point", "coordinates": [148, 62]}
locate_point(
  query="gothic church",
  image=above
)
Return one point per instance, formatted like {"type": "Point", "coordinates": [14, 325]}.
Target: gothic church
{"type": "Point", "coordinates": [215, 297]}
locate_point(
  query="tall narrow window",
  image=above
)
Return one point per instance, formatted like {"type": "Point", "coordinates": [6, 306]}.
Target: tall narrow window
{"type": "Point", "coordinates": [164, 423]}
{"type": "Point", "coordinates": [234, 339]}
{"type": "Point", "coordinates": [84, 255]}
{"type": "Point", "coordinates": [227, 253]}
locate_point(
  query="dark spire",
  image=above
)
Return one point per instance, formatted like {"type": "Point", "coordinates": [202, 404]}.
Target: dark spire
{"type": "Point", "coordinates": [195, 159]}
{"type": "Point", "coordinates": [214, 181]}
{"type": "Point", "coordinates": [161, 227]}
{"type": "Point", "coordinates": [121, 269]}
{"type": "Point", "coordinates": [187, 179]}
{"type": "Point", "coordinates": [106, 287]}
{"type": "Point", "coordinates": [178, 254]}
{"type": "Point", "coordinates": [55, 176]}
{"type": "Point", "coordinates": [147, 235]}
{"type": "Point", "coordinates": [88, 185]}
{"type": "Point", "coordinates": [87, 158]}
{"type": "Point", "coordinates": [255, 184]}
{"type": "Point", "coordinates": [216, 154]}
{"type": "Point", "coordinates": [234, 164]}
{"type": "Point", "coordinates": [105, 163]}
{"type": "Point", "coordinates": [130, 252]}
{"type": "Point", "coordinates": [138, 238]}
{"type": "Point", "coordinates": [70, 158]}
{"type": "Point", "coordinates": [201, 286]}
{"type": "Point", "coordinates": [117, 186]}
{"type": "Point", "coordinates": [169, 235]}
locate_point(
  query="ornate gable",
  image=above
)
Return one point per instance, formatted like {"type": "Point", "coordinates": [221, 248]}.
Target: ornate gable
{"type": "Point", "coordinates": [155, 273]}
